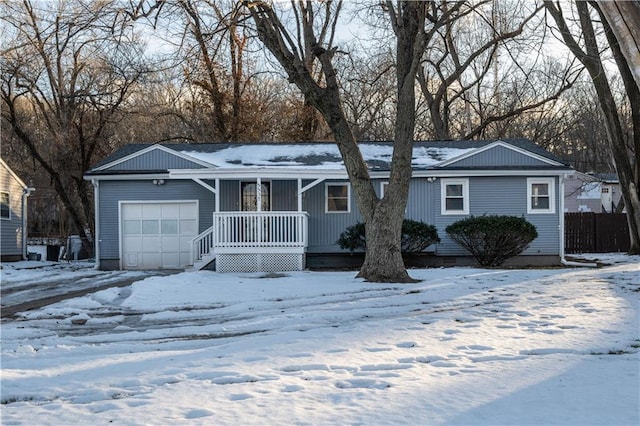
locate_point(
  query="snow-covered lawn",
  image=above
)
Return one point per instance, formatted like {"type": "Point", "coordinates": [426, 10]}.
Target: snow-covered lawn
{"type": "Point", "coordinates": [464, 346]}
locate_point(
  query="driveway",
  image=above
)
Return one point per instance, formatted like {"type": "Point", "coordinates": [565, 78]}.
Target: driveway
{"type": "Point", "coordinates": [52, 282]}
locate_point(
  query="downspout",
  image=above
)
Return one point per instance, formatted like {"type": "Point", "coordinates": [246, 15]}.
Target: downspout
{"type": "Point", "coordinates": [25, 194]}
{"type": "Point", "coordinates": [563, 260]}
{"type": "Point", "coordinates": [96, 227]}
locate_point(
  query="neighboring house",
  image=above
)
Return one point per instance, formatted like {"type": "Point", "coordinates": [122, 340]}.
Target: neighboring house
{"type": "Point", "coordinates": [13, 215]}
{"type": "Point", "coordinates": [277, 207]}
{"type": "Point", "coordinates": [592, 192]}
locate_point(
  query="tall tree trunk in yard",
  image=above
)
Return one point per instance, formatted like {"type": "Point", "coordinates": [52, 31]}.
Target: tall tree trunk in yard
{"type": "Point", "coordinates": [590, 58]}
{"type": "Point", "coordinates": [383, 218]}
{"type": "Point", "coordinates": [384, 228]}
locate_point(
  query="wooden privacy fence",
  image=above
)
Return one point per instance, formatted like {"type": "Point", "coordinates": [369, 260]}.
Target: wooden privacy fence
{"type": "Point", "coordinates": [596, 232]}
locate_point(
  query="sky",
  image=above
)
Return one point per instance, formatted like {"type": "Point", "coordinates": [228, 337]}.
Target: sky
{"type": "Point", "coordinates": [463, 346]}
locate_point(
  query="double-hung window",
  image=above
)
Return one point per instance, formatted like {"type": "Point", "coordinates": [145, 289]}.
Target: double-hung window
{"type": "Point", "coordinates": [455, 196]}
{"type": "Point", "coordinates": [540, 195]}
{"type": "Point", "coordinates": [5, 207]}
{"type": "Point", "coordinates": [337, 198]}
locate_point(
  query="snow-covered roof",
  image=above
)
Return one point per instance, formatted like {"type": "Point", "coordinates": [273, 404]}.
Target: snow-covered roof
{"type": "Point", "coordinates": [319, 156]}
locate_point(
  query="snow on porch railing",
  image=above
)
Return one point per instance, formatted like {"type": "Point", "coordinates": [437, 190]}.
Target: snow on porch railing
{"type": "Point", "coordinates": [202, 245]}
{"type": "Point", "coordinates": [260, 229]}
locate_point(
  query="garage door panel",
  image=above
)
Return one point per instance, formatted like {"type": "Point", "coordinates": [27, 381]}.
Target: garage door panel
{"type": "Point", "coordinates": [170, 210]}
{"type": "Point", "coordinates": [132, 243]}
{"type": "Point", "coordinates": [158, 234]}
{"type": "Point", "coordinates": [151, 211]}
{"type": "Point", "coordinates": [131, 260]}
{"type": "Point", "coordinates": [132, 211]}
{"type": "Point", "coordinates": [150, 244]}
{"type": "Point", "coordinates": [151, 260]}
{"type": "Point", "coordinates": [170, 244]}
{"type": "Point", "coordinates": [170, 260]}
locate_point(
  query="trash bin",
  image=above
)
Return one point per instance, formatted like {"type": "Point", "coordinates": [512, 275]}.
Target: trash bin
{"type": "Point", "coordinates": [34, 256]}
{"type": "Point", "coordinates": [52, 253]}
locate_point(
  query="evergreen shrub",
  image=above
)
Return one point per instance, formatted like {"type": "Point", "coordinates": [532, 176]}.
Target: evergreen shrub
{"type": "Point", "coordinates": [416, 236]}
{"type": "Point", "coordinates": [493, 239]}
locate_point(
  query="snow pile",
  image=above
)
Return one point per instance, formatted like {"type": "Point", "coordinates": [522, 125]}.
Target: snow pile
{"type": "Point", "coordinates": [464, 346]}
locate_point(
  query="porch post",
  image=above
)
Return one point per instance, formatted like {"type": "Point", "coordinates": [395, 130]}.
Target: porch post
{"type": "Point", "coordinates": [299, 194]}
{"type": "Point", "coordinates": [259, 194]}
{"type": "Point", "coordinates": [217, 195]}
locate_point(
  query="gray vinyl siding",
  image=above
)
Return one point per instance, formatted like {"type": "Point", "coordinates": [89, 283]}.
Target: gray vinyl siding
{"type": "Point", "coordinates": [498, 156]}
{"type": "Point", "coordinates": [325, 228]}
{"type": "Point", "coordinates": [156, 160]}
{"type": "Point", "coordinates": [229, 195]}
{"type": "Point", "coordinates": [284, 195]}
{"type": "Point", "coordinates": [111, 192]}
{"type": "Point", "coordinates": [11, 229]}
{"type": "Point", "coordinates": [501, 196]}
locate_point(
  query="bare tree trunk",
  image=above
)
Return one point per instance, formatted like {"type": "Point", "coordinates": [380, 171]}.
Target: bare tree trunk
{"type": "Point", "coordinates": [384, 229]}
{"type": "Point", "coordinates": [624, 19]}
{"type": "Point", "coordinates": [383, 218]}
{"type": "Point", "coordinates": [591, 60]}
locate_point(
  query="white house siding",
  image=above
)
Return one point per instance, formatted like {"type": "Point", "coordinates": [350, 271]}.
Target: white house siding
{"type": "Point", "coordinates": [11, 232]}
{"type": "Point", "coordinates": [111, 192]}
{"type": "Point", "coordinates": [510, 199]}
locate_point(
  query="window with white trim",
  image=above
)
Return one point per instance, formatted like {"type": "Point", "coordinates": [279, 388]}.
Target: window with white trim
{"type": "Point", "coordinates": [5, 206]}
{"type": "Point", "coordinates": [454, 196]}
{"type": "Point", "coordinates": [540, 195]}
{"type": "Point", "coordinates": [337, 197]}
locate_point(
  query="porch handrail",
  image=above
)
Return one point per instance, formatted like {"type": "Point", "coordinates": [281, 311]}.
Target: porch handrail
{"type": "Point", "coordinates": [260, 229]}
{"type": "Point", "coordinates": [202, 245]}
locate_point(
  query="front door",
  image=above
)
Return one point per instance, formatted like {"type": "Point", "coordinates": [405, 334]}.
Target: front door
{"type": "Point", "coordinates": [249, 196]}
{"type": "Point", "coordinates": [255, 228]}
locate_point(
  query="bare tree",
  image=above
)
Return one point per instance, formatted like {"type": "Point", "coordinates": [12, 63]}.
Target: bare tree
{"type": "Point", "coordinates": [482, 67]}
{"type": "Point", "coordinates": [626, 156]}
{"type": "Point", "coordinates": [624, 19]}
{"type": "Point", "coordinates": [383, 217]}
{"type": "Point", "coordinates": [67, 72]}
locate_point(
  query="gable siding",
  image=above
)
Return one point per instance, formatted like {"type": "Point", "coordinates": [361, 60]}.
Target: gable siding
{"type": "Point", "coordinates": [498, 156]}
{"type": "Point", "coordinates": [156, 160]}
{"type": "Point", "coordinates": [11, 229]}
{"type": "Point", "coordinates": [111, 192]}
{"type": "Point", "coordinates": [500, 196]}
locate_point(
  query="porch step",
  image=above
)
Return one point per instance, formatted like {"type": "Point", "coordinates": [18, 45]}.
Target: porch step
{"type": "Point", "coordinates": [204, 263]}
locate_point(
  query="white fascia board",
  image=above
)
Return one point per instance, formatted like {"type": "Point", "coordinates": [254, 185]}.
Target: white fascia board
{"type": "Point", "coordinates": [504, 145]}
{"type": "Point", "coordinates": [137, 176]}
{"type": "Point", "coordinates": [153, 148]}
{"type": "Point", "coordinates": [469, 173]}
{"type": "Point", "coordinates": [13, 175]}
{"type": "Point", "coordinates": [265, 173]}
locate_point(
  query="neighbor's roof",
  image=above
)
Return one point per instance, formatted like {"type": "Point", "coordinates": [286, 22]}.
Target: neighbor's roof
{"type": "Point", "coordinates": [323, 155]}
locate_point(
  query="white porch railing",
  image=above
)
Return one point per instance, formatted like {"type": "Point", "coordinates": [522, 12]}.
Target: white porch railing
{"type": "Point", "coordinates": [252, 233]}
{"type": "Point", "coordinates": [260, 230]}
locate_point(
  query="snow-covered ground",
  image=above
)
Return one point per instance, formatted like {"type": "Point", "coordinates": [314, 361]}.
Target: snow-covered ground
{"type": "Point", "coordinates": [464, 346]}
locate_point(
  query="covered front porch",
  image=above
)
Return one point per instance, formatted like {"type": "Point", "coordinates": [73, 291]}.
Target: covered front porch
{"type": "Point", "coordinates": [254, 238]}
{"type": "Point", "coordinates": [253, 241]}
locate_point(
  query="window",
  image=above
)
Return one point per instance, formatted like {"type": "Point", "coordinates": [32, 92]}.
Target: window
{"type": "Point", "coordinates": [455, 196]}
{"type": "Point", "coordinates": [337, 196]}
{"type": "Point", "coordinates": [5, 207]}
{"type": "Point", "coordinates": [540, 195]}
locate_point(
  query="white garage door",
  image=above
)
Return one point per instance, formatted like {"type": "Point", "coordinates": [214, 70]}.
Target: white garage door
{"type": "Point", "coordinates": [157, 235]}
